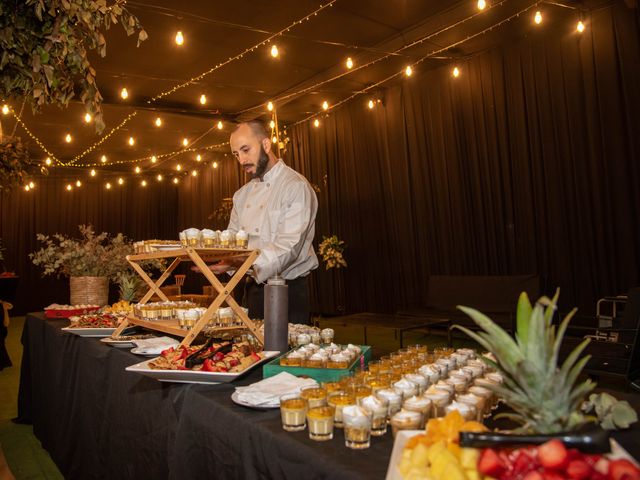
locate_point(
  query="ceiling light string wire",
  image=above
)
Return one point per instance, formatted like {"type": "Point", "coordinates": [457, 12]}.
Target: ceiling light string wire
{"type": "Point", "coordinates": [430, 54]}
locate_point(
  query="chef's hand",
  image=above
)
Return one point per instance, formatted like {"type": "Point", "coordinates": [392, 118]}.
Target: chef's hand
{"type": "Point", "coordinates": [223, 265]}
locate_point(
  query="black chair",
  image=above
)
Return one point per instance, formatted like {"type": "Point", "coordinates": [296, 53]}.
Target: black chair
{"type": "Point", "coordinates": [619, 358]}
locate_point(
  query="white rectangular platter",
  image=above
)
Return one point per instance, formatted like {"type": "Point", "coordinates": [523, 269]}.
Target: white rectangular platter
{"type": "Point", "coordinates": [95, 332]}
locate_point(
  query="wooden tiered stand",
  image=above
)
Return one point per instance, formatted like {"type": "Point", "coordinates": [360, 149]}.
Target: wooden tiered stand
{"type": "Point", "coordinates": [200, 257]}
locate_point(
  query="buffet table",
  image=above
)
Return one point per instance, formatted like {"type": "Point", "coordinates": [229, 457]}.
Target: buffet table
{"type": "Point", "coordinates": [98, 421]}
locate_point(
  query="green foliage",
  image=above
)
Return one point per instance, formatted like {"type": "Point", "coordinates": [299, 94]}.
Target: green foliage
{"type": "Point", "coordinates": [611, 412]}
{"type": "Point", "coordinates": [331, 249]}
{"type": "Point", "coordinates": [45, 45]}
{"type": "Point", "coordinates": [15, 163]}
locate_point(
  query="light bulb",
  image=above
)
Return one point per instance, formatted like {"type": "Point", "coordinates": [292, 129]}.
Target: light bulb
{"type": "Point", "coordinates": [159, 177]}
{"type": "Point", "coordinates": [178, 167]}
{"type": "Point", "coordinates": [274, 139]}
{"type": "Point", "coordinates": [371, 104]}
{"type": "Point", "coordinates": [124, 93]}
{"type": "Point", "coordinates": [408, 71]}
{"type": "Point", "coordinates": [456, 72]}
{"type": "Point", "coordinates": [5, 109]}
{"type": "Point", "coordinates": [154, 159]}
{"type": "Point", "coordinates": [67, 138]}
{"type": "Point", "coordinates": [107, 186]}
{"type": "Point", "coordinates": [48, 161]}
{"type": "Point", "coordinates": [215, 164]}
{"type": "Point", "coordinates": [349, 63]}
{"type": "Point", "coordinates": [481, 4]}
{"type": "Point", "coordinates": [87, 118]}
{"type": "Point", "coordinates": [270, 106]}
{"type": "Point", "coordinates": [120, 181]}
{"type": "Point", "coordinates": [92, 172]}
{"type": "Point", "coordinates": [185, 142]}
{"type": "Point", "coordinates": [272, 124]}
{"type": "Point", "coordinates": [175, 180]}
{"type": "Point", "coordinates": [103, 159]}
{"type": "Point", "coordinates": [132, 141]}
{"type": "Point", "coordinates": [158, 122]}
{"type": "Point", "coordinates": [198, 158]}
{"type": "Point", "coordinates": [179, 38]}
{"type": "Point", "coordinates": [538, 18]}
{"type": "Point", "coordinates": [69, 187]}
{"type": "Point", "coordinates": [143, 183]}
{"type": "Point", "coordinates": [316, 123]}
{"type": "Point", "coordinates": [27, 188]}
{"type": "Point", "coordinates": [580, 27]}
{"type": "Point", "coordinates": [78, 183]}
{"type": "Point", "coordinates": [274, 51]}
{"type": "Point", "coordinates": [137, 170]}
{"type": "Point", "coordinates": [325, 105]}
{"type": "Point", "coordinates": [32, 185]}
{"type": "Point", "coordinates": [194, 173]}
{"type": "Point", "coordinates": [203, 99]}
{"type": "Point", "coordinates": [220, 125]}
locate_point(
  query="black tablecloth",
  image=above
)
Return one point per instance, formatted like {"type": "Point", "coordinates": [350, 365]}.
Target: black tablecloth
{"type": "Point", "coordinates": [98, 421]}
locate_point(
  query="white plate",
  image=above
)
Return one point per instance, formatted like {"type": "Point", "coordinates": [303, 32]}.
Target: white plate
{"type": "Point", "coordinates": [95, 332]}
{"type": "Point", "coordinates": [142, 351]}
{"type": "Point", "coordinates": [191, 376]}
{"type": "Point", "coordinates": [236, 399]}
{"type": "Point", "coordinates": [393, 473]}
{"type": "Point", "coordinates": [119, 343]}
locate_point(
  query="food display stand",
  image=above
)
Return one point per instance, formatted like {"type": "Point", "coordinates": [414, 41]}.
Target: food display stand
{"type": "Point", "coordinates": [200, 257]}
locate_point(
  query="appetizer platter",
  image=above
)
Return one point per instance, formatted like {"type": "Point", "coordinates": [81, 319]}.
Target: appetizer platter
{"type": "Point", "coordinates": [56, 310]}
{"type": "Point", "coordinates": [95, 325]}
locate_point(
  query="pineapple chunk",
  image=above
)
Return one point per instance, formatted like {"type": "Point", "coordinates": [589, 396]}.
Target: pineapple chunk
{"type": "Point", "coordinates": [444, 464]}
{"type": "Point", "coordinates": [469, 458]}
{"type": "Point", "coordinates": [419, 455]}
{"type": "Point", "coordinates": [417, 473]}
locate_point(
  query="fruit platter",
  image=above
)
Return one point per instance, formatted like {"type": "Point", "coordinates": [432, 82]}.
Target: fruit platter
{"type": "Point", "coordinates": [94, 325]}
{"type": "Point", "coordinates": [213, 362]}
{"type": "Point", "coordinates": [56, 310]}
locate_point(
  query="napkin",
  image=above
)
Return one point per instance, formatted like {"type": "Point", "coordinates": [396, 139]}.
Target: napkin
{"type": "Point", "coordinates": [267, 392]}
{"type": "Point", "coordinates": [154, 346]}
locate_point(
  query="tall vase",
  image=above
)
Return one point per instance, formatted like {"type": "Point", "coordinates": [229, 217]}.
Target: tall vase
{"type": "Point", "coordinates": [89, 290]}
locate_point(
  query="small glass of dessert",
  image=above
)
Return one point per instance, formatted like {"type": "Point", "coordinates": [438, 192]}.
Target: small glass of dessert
{"type": "Point", "coordinates": [357, 427]}
{"type": "Point", "coordinates": [331, 387]}
{"type": "Point", "coordinates": [422, 405]}
{"type": "Point", "coordinates": [439, 400]}
{"type": "Point", "coordinates": [339, 400]}
{"type": "Point", "coordinates": [338, 360]}
{"type": "Point", "coordinates": [467, 411]}
{"type": "Point", "coordinates": [406, 388]}
{"type": "Point", "coordinates": [475, 401]}
{"type": "Point", "coordinates": [420, 382]}
{"type": "Point", "coordinates": [320, 422]}
{"type": "Point", "coordinates": [379, 408]}
{"type": "Point", "coordinates": [393, 399]}
{"type": "Point", "coordinates": [242, 239]}
{"type": "Point", "coordinates": [405, 420]}
{"type": "Point", "coordinates": [314, 395]}
{"type": "Point", "coordinates": [326, 335]}
{"type": "Point", "coordinates": [293, 410]}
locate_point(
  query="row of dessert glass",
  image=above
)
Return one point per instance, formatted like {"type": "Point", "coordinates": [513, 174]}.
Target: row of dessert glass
{"type": "Point", "coordinates": [326, 356]}
{"type": "Point", "coordinates": [187, 314]}
{"type": "Point", "coordinates": [192, 237]}
{"type": "Point", "coordinates": [367, 401]}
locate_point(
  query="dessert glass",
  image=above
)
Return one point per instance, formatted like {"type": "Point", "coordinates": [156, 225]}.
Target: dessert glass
{"type": "Point", "coordinates": [357, 427]}
{"type": "Point", "coordinates": [293, 411]}
{"type": "Point", "coordinates": [315, 396]}
{"type": "Point", "coordinates": [320, 423]}
{"type": "Point", "coordinates": [405, 420]}
{"type": "Point", "coordinates": [340, 400]}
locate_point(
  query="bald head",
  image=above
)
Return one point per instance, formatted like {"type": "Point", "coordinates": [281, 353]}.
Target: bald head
{"type": "Point", "coordinates": [251, 145]}
{"type": "Point", "coordinates": [257, 127]}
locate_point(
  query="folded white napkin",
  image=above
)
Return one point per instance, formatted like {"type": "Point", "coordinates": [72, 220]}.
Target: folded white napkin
{"type": "Point", "coordinates": [267, 392]}
{"type": "Point", "coordinates": [154, 346]}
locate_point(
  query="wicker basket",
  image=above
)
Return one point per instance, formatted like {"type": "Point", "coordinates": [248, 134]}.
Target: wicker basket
{"type": "Point", "coordinates": [89, 290]}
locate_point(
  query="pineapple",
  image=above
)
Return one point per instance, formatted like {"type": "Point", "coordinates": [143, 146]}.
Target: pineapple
{"type": "Point", "coordinates": [543, 395]}
{"type": "Point", "coordinates": [129, 283]}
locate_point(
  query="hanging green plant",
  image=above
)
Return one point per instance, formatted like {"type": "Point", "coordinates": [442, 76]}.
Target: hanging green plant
{"type": "Point", "coordinates": [45, 45]}
{"type": "Point", "coordinates": [15, 164]}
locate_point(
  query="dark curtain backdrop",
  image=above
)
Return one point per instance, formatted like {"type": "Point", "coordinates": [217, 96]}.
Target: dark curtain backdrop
{"type": "Point", "coordinates": [527, 163]}
{"type": "Point", "coordinates": [139, 213]}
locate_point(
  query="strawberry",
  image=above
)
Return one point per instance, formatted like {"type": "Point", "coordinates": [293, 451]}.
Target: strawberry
{"type": "Point", "coordinates": [533, 475]}
{"type": "Point", "coordinates": [233, 362]}
{"type": "Point", "coordinates": [551, 475]}
{"type": "Point", "coordinates": [579, 470]}
{"type": "Point", "coordinates": [523, 462]}
{"type": "Point", "coordinates": [623, 470]}
{"type": "Point", "coordinates": [255, 357]}
{"type": "Point", "coordinates": [553, 454]}
{"type": "Point", "coordinates": [166, 352]}
{"type": "Point", "coordinates": [490, 463]}
{"type": "Point", "coordinates": [218, 357]}
{"type": "Point", "coordinates": [208, 366]}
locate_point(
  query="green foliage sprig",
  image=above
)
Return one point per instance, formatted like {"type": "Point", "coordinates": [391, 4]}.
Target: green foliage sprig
{"type": "Point", "coordinates": [331, 249]}
{"type": "Point", "coordinates": [15, 163]}
{"type": "Point", "coordinates": [45, 45]}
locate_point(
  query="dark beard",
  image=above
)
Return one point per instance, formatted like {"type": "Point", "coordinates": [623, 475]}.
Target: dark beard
{"type": "Point", "coordinates": [261, 167]}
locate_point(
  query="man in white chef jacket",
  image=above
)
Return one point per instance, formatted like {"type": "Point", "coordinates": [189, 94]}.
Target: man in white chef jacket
{"type": "Point", "coordinates": [277, 208]}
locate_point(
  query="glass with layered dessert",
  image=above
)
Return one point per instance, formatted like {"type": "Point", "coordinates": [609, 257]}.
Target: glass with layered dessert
{"type": "Point", "coordinates": [378, 407]}
{"type": "Point", "coordinates": [393, 399]}
{"type": "Point", "coordinates": [242, 239]}
{"type": "Point", "coordinates": [339, 400]}
{"type": "Point", "coordinates": [405, 420]}
{"type": "Point", "coordinates": [439, 400]}
{"type": "Point", "coordinates": [422, 405]}
{"type": "Point", "coordinates": [293, 410]}
{"type": "Point", "coordinates": [320, 423]}
{"type": "Point", "coordinates": [357, 427]}
{"type": "Point", "coordinates": [315, 396]}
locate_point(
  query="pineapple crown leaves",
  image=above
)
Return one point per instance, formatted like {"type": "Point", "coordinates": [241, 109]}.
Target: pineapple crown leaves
{"type": "Point", "coordinates": [544, 395]}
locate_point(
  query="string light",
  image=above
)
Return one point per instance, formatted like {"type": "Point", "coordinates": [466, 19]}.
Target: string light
{"type": "Point", "coordinates": [215, 164]}
{"type": "Point", "coordinates": [159, 177]}
{"type": "Point", "coordinates": [5, 109]}
{"type": "Point", "coordinates": [349, 63]}
{"type": "Point", "coordinates": [538, 18]}
{"type": "Point", "coordinates": [456, 72]}
{"type": "Point", "coordinates": [185, 142]}
{"type": "Point", "coordinates": [32, 185]}
{"type": "Point", "coordinates": [27, 188]}
{"type": "Point", "coordinates": [175, 180]}
{"type": "Point", "coordinates": [48, 161]}
{"type": "Point", "coordinates": [92, 172]}
{"type": "Point", "coordinates": [120, 181]}
{"type": "Point", "coordinates": [103, 159]}
{"type": "Point", "coordinates": [272, 124]}
{"type": "Point", "coordinates": [78, 183]}
{"type": "Point", "coordinates": [107, 186]}
{"type": "Point", "coordinates": [124, 93]}
{"type": "Point", "coordinates": [580, 26]}
{"type": "Point", "coordinates": [481, 4]}
{"type": "Point", "coordinates": [68, 138]}
{"type": "Point", "coordinates": [274, 139]}
{"type": "Point", "coordinates": [178, 167]}
{"type": "Point", "coordinates": [87, 118]}
{"type": "Point", "coordinates": [325, 105]}
{"type": "Point", "coordinates": [154, 159]}
{"type": "Point", "coordinates": [158, 122]}
{"type": "Point", "coordinates": [198, 158]}
{"type": "Point", "coordinates": [316, 123]}
{"type": "Point", "coordinates": [371, 104]}
{"type": "Point", "coordinates": [179, 38]}
{"type": "Point", "coordinates": [220, 125]}
{"type": "Point", "coordinates": [194, 173]}
{"type": "Point", "coordinates": [137, 169]}
{"type": "Point", "coordinates": [143, 183]}
{"type": "Point", "coordinates": [408, 71]}
{"type": "Point", "coordinates": [69, 187]}
{"type": "Point", "coordinates": [274, 51]}
{"type": "Point", "coordinates": [132, 141]}
{"type": "Point", "coordinates": [203, 99]}
{"type": "Point", "coordinates": [270, 106]}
